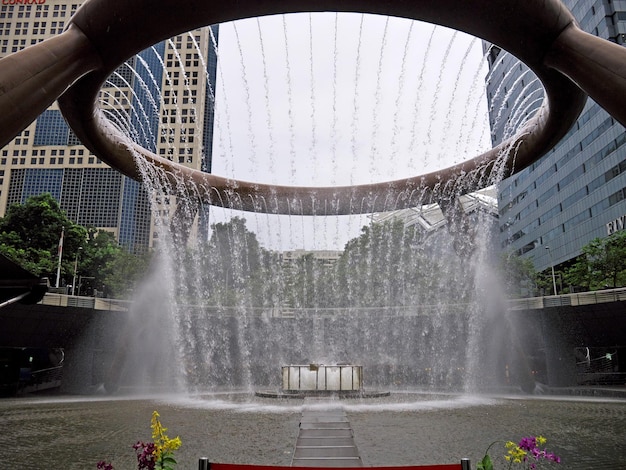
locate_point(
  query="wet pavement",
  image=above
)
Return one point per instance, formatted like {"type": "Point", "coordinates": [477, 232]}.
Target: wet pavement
{"type": "Point", "coordinates": [325, 439]}
{"type": "Point", "coordinates": [403, 429]}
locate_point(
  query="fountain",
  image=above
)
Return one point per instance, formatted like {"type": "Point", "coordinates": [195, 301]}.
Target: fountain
{"type": "Point", "coordinates": [240, 342]}
{"type": "Point", "coordinates": [405, 308]}
{"type": "Point", "coordinates": [321, 380]}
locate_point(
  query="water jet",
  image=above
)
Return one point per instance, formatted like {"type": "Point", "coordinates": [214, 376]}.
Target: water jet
{"type": "Point", "coordinates": [76, 63]}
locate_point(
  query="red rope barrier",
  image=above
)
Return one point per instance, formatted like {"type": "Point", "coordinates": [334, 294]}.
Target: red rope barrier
{"type": "Point", "coordinates": [234, 466]}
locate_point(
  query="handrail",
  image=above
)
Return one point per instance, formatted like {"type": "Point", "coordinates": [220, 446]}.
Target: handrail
{"type": "Point", "coordinates": [529, 303]}
{"type": "Point", "coordinates": [569, 300]}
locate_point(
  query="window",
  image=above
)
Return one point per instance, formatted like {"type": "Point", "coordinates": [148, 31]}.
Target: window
{"type": "Point", "coordinates": [574, 221]}
{"type": "Point", "coordinates": [51, 129]}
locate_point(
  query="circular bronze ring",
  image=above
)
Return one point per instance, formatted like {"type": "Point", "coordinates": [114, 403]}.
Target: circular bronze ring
{"type": "Point", "coordinates": [118, 29]}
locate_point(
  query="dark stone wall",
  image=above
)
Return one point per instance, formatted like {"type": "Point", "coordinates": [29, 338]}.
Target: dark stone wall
{"type": "Point", "coordinates": [556, 332]}
{"type": "Point", "coordinates": [233, 351]}
{"type": "Point", "coordinates": [89, 337]}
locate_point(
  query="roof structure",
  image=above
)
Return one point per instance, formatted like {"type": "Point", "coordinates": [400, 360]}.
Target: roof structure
{"type": "Point", "coordinates": [17, 284]}
{"type": "Point", "coordinates": [430, 217]}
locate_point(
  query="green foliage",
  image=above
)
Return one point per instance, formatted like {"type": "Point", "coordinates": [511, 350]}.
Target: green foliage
{"type": "Point", "coordinates": [545, 283]}
{"type": "Point", "coordinates": [518, 275]}
{"type": "Point", "coordinates": [485, 463]}
{"type": "Point", "coordinates": [231, 264]}
{"type": "Point", "coordinates": [601, 264]}
{"type": "Point", "coordinates": [386, 265]}
{"type": "Point", "coordinates": [30, 233]}
{"type": "Point", "coordinates": [38, 262]}
{"type": "Point", "coordinates": [167, 463]}
{"type": "Point", "coordinates": [122, 271]}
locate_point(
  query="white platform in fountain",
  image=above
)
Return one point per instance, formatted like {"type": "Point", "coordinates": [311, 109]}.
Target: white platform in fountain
{"type": "Point", "coordinates": [342, 380]}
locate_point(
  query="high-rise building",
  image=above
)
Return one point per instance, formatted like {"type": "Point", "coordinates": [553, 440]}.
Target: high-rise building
{"type": "Point", "coordinates": [163, 97]}
{"type": "Point", "coordinates": [577, 191]}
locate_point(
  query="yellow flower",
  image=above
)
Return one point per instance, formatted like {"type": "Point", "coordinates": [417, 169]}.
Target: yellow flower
{"type": "Point", "coordinates": [541, 440]}
{"type": "Point", "coordinates": [514, 453]}
{"type": "Point", "coordinates": [155, 424]}
{"type": "Point", "coordinates": [170, 445]}
{"type": "Point", "coordinates": [163, 445]}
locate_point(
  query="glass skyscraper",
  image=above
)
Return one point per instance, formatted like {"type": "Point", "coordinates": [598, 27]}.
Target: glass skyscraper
{"type": "Point", "coordinates": [577, 191]}
{"type": "Point", "coordinates": [46, 157]}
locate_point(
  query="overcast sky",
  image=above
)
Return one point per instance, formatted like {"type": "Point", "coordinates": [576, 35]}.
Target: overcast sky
{"type": "Point", "coordinates": [335, 99]}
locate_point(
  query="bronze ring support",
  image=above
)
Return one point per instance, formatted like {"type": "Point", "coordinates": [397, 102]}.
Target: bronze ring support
{"type": "Point", "coordinates": [104, 33]}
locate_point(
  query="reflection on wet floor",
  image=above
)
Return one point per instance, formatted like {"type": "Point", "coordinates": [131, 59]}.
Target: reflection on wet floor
{"type": "Point", "coordinates": [403, 429]}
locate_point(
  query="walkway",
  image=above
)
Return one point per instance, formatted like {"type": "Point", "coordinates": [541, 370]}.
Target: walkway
{"type": "Point", "coordinates": [325, 439]}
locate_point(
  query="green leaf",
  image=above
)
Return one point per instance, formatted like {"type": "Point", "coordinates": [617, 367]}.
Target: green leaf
{"type": "Point", "coordinates": [485, 463]}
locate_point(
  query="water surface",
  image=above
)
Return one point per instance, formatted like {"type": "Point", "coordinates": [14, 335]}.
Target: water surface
{"type": "Point", "coordinates": [404, 429]}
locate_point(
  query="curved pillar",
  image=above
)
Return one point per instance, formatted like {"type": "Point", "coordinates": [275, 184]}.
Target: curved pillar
{"type": "Point", "coordinates": [597, 66]}
{"type": "Point", "coordinates": [526, 28]}
{"type": "Point", "coordinates": [104, 33]}
{"type": "Point", "coordinates": [31, 79]}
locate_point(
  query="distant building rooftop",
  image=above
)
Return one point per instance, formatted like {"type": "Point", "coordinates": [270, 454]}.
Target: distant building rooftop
{"type": "Point", "coordinates": [430, 216]}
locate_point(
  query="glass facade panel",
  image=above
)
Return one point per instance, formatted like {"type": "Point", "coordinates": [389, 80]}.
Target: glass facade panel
{"type": "Point", "coordinates": [51, 129]}
{"type": "Point", "coordinates": [586, 169]}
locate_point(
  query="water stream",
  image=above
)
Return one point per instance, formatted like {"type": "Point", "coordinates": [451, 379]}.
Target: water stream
{"type": "Point", "coordinates": [326, 99]}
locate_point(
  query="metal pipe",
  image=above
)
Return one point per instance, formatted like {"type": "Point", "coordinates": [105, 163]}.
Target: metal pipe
{"type": "Point", "coordinates": [14, 299]}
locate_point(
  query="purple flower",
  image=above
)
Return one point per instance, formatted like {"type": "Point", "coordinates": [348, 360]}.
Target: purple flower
{"type": "Point", "coordinates": [528, 443]}
{"type": "Point", "coordinates": [532, 445]}
{"type": "Point", "coordinates": [146, 458]}
{"type": "Point", "coordinates": [102, 465]}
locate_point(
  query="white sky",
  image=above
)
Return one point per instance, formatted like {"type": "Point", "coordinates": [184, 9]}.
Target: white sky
{"type": "Point", "coordinates": [336, 99]}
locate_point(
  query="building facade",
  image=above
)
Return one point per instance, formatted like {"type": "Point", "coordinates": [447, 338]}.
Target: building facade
{"type": "Point", "coordinates": [163, 98]}
{"type": "Point", "coordinates": [577, 191]}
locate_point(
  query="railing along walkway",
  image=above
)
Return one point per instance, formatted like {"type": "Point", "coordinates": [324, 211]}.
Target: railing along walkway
{"type": "Point", "coordinates": [566, 300]}
{"type": "Point", "coordinates": [531, 303]}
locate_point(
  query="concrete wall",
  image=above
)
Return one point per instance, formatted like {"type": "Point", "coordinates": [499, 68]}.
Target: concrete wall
{"type": "Point", "coordinates": [234, 351]}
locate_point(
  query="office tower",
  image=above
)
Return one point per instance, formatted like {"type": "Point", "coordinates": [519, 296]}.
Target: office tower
{"type": "Point", "coordinates": [163, 98]}
{"type": "Point", "coordinates": [576, 192]}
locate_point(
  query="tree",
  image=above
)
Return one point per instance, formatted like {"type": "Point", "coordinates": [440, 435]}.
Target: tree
{"type": "Point", "coordinates": [231, 263]}
{"type": "Point", "coordinates": [518, 273]}
{"type": "Point", "coordinates": [30, 234]}
{"type": "Point", "coordinates": [108, 267]}
{"type": "Point", "coordinates": [384, 266]}
{"type": "Point", "coordinates": [121, 273]}
{"type": "Point", "coordinates": [601, 264]}
{"type": "Point", "coordinates": [302, 282]}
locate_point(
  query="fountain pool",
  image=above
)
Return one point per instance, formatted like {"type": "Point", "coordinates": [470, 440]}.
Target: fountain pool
{"type": "Point", "coordinates": [405, 428]}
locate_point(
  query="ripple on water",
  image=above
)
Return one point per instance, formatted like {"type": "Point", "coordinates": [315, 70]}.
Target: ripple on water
{"type": "Point", "coordinates": [406, 428]}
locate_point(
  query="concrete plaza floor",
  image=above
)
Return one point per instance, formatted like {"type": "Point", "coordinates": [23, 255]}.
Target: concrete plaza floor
{"type": "Point", "coordinates": [404, 429]}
